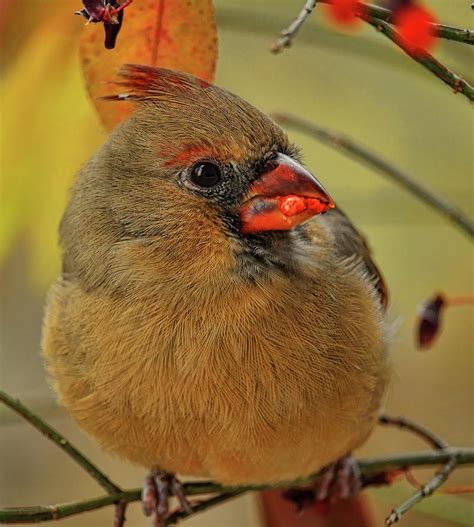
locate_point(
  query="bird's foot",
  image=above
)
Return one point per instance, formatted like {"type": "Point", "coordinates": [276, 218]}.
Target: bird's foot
{"type": "Point", "coordinates": [157, 489]}
{"type": "Point", "coordinates": [339, 480]}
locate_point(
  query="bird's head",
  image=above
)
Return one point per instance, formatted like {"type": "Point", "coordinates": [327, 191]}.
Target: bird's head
{"type": "Point", "coordinates": [196, 172]}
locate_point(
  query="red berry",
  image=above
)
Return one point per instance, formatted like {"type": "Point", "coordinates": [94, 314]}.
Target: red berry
{"type": "Point", "coordinates": [415, 28]}
{"type": "Point", "coordinates": [344, 12]}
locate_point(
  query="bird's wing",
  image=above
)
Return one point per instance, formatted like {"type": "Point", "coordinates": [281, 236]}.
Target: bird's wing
{"type": "Point", "coordinates": [350, 242]}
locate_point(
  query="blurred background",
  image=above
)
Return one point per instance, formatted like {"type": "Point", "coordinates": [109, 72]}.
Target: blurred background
{"type": "Point", "coordinates": [356, 83]}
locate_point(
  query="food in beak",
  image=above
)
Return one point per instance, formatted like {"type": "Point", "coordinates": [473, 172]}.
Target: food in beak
{"type": "Point", "coordinates": [282, 197]}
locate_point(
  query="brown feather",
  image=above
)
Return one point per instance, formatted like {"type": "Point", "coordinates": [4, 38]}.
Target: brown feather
{"type": "Point", "coordinates": [166, 354]}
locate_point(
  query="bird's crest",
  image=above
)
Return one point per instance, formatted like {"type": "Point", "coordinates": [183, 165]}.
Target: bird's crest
{"type": "Point", "coordinates": [148, 83]}
{"type": "Point", "coordinates": [183, 107]}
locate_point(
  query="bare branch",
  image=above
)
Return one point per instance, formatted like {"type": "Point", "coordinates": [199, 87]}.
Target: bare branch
{"type": "Point", "coordinates": [419, 430]}
{"type": "Point", "coordinates": [462, 35]}
{"type": "Point", "coordinates": [457, 83]}
{"type": "Point", "coordinates": [381, 18]}
{"type": "Point", "coordinates": [60, 441]}
{"type": "Point", "coordinates": [289, 33]}
{"type": "Point", "coordinates": [462, 456]}
{"type": "Point", "coordinates": [438, 479]}
{"type": "Point", "coordinates": [201, 506]}
{"type": "Point", "coordinates": [121, 498]}
{"type": "Point", "coordinates": [347, 145]}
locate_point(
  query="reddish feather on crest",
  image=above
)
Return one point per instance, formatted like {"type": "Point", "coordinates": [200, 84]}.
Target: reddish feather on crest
{"type": "Point", "coordinates": [146, 82]}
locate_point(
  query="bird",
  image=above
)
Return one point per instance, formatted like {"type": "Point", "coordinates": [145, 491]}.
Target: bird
{"type": "Point", "coordinates": [216, 315]}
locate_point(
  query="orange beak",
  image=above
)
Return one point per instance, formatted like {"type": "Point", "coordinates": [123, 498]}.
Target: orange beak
{"type": "Point", "coordinates": [282, 197]}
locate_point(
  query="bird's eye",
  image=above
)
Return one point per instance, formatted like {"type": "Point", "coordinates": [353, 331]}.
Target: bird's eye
{"type": "Point", "coordinates": [205, 174]}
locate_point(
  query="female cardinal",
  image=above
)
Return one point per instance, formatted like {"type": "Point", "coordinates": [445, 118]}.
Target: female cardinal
{"type": "Point", "coordinates": [209, 320]}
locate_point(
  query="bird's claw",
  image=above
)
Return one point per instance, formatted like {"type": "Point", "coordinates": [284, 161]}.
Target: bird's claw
{"type": "Point", "coordinates": [339, 480]}
{"type": "Point", "coordinates": [155, 495]}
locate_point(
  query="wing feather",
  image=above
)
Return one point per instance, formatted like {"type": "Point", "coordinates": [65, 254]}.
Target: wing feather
{"type": "Point", "coordinates": [350, 242]}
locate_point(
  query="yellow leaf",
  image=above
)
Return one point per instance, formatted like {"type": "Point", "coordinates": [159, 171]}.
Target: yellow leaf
{"type": "Point", "coordinates": [48, 129]}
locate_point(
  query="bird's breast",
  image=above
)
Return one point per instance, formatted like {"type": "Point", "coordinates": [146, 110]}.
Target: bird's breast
{"type": "Point", "coordinates": [243, 386]}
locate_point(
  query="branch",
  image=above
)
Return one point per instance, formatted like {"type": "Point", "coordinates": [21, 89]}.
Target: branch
{"type": "Point", "coordinates": [346, 145]}
{"type": "Point", "coordinates": [373, 470]}
{"type": "Point", "coordinates": [436, 481]}
{"type": "Point", "coordinates": [439, 478]}
{"type": "Point", "coordinates": [462, 35]}
{"type": "Point", "coordinates": [381, 18]}
{"type": "Point", "coordinates": [287, 35]}
{"type": "Point", "coordinates": [60, 441]}
{"type": "Point", "coordinates": [456, 82]}
{"type": "Point", "coordinates": [421, 431]}
{"type": "Point", "coordinates": [462, 456]}
{"type": "Point", "coordinates": [175, 517]}
{"type": "Point", "coordinates": [465, 36]}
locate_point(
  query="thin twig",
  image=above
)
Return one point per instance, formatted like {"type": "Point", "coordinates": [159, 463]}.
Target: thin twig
{"type": "Point", "coordinates": [436, 481]}
{"type": "Point", "coordinates": [43, 513]}
{"type": "Point", "coordinates": [257, 22]}
{"type": "Point", "coordinates": [419, 430]}
{"type": "Point", "coordinates": [60, 441]}
{"type": "Point", "coordinates": [464, 489]}
{"type": "Point", "coordinates": [381, 18]}
{"type": "Point", "coordinates": [439, 478]}
{"type": "Point", "coordinates": [289, 33]}
{"type": "Point", "coordinates": [456, 82]}
{"type": "Point", "coordinates": [201, 506]}
{"type": "Point", "coordinates": [462, 35]}
{"type": "Point", "coordinates": [463, 456]}
{"type": "Point", "coordinates": [120, 498]}
{"type": "Point", "coordinates": [345, 144]}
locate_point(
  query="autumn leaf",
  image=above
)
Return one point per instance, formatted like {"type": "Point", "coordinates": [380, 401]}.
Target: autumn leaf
{"type": "Point", "coordinates": [48, 130]}
{"type": "Point", "coordinates": [175, 34]}
{"type": "Point", "coordinates": [429, 320]}
{"type": "Point", "coordinates": [430, 314]}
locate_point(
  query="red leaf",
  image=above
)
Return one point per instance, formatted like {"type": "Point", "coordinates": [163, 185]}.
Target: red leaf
{"type": "Point", "coordinates": [430, 321]}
